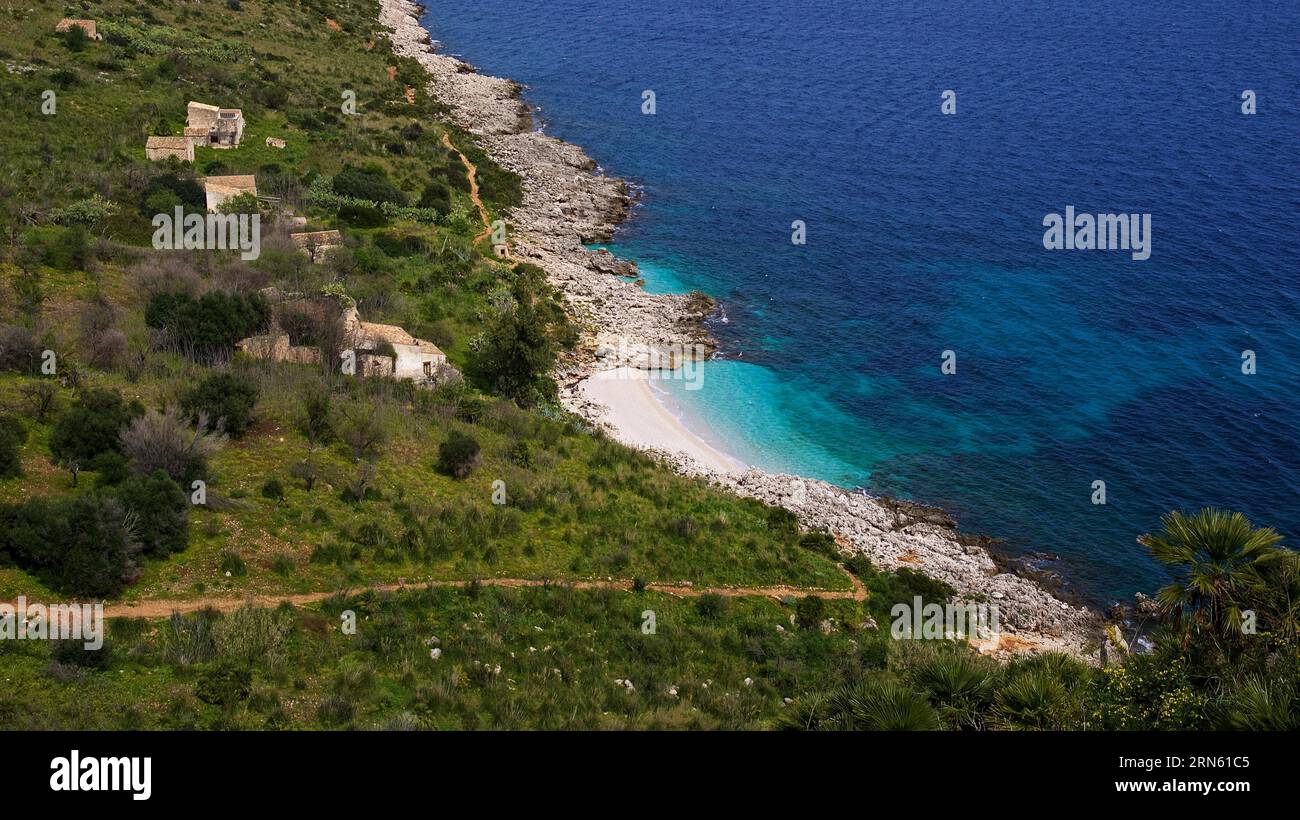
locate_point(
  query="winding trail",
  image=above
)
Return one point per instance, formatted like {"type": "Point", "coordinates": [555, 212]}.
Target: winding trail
{"type": "Point", "coordinates": [472, 171]}
{"type": "Point", "coordinates": [162, 608]}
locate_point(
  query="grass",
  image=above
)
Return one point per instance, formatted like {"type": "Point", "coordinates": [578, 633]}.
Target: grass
{"type": "Point", "coordinates": [559, 652]}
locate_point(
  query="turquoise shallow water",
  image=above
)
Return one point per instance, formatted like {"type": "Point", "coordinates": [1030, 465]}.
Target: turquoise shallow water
{"type": "Point", "coordinates": [925, 235]}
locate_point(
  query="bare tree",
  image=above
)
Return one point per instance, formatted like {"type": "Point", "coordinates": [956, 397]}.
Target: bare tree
{"type": "Point", "coordinates": [40, 396]}
{"type": "Point", "coordinates": [164, 441]}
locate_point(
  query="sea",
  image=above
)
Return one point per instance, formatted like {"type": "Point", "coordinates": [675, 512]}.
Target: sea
{"type": "Point", "coordinates": [863, 186]}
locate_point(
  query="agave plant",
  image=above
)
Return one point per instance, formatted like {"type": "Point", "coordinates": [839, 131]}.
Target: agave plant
{"type": "Point", "coordinates": [1218, 558]}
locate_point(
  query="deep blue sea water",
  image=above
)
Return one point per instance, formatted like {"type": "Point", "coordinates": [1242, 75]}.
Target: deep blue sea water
{"type": "Point", "coordinates": [924, 234]}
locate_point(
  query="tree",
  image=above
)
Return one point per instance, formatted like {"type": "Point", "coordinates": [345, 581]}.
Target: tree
{"type": "Point", "coordinates": [516, 354]}
{"type": "Point", "coordinates": [92, 426]}
{"type": "Point", "coordinates": [225, 400]}
{"type": "Point", "coordinates": [1217, 558]}
{"type": "Point", "coordinates": [245, 203]}
{"type": "Point", "coordinates": [317, 423]}
{"type": "Point", "coordinates": [41, 396]}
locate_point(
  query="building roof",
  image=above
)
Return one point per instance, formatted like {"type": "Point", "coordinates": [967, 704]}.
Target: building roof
{"type": "Point", "coordinates": [68, 22]}
{"type": "Point", "coordinates": [238, 183]}
{"type": "Point", "coordinates": [178, 143]}
{"type": "Point", "coordinates": [374, 333]}
{"type": "Point", "coordinates": [196, 130]}
{"type": "Point", "coordinates": [203, 107]}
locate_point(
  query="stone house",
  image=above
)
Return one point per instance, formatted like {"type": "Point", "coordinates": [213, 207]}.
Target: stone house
{"type": "Point", "coordinates": [388, 350]}
{"type": "Point", "coordinates": [376, 350]}
{"type": "Point", "coordinates": [317, 243]}
{"type": "Point", "coordinates": [87, 26]}
{"type": "Point", "coordinates": [218, 189]}
{"type": "Point", "coordinates": [277, 347]}
{"type": "Point", "coordinates": [160, 148]}
{"type": "Point", "coordinates": [213, 126]}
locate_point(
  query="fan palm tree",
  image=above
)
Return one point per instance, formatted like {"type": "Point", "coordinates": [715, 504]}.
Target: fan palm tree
{"type": "Point", "coordinates": [961, 685]}
{"type": "Point", "coordinates": [876, 704]}
{"type": "Point", "coordinates": [1218, 558]}
{"type": "Point", "coordinates": [1035, 699]}
{"type": "Point", "coordinates": [1262, 706]}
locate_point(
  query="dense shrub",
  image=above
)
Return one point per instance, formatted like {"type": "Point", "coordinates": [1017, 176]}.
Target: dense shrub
{"type": "Point", "coordinates": [209, 326]}
{"type": "Point", "coordinates": [273, 489]}
{"type": "Point", "coordinates": [161, 512]}
{"type": "Point", "coordinates": [362, 216]}
{"type": "Point", "coordinates": [65, 249]}
{"type": "Point", "coordinates": [12, 437]}
{"type": "Point", "coordinates": [92, 426]}
{"type": "Point", "coordinates": [810, 611]}
{"type": "Point", "coordinates": [370, 183]}
{"type": "Point", "coordinates": [458, 455]}
{"type": "Point", "coordinates": [80, 545]}
{"type": "Point", "coordinates": [225, 400]}
{"type": "Point", "coordinates": [73, 652]}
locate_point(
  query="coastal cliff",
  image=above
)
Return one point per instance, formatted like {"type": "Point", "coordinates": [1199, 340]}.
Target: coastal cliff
{"type": "Point", "coordinates": [568, 204]}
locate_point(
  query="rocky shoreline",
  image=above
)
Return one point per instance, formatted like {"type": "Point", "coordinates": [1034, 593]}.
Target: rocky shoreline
{"type": "Point", "coordinates": [566, 205]}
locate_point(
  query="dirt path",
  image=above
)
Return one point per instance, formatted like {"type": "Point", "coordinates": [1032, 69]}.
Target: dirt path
{"type": "Point", "coordinates": [472, 171]}
{"type": "Point", "coordinates": [164, 608]}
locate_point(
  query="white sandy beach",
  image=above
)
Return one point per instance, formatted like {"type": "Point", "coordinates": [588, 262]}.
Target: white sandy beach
{"type": "Point", "coordinates": [640, 418]}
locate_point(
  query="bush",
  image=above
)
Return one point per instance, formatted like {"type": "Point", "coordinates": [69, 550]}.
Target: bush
{"type": "Point", "coordinates": [820, 542]}
{"type": "Point", "coordinates": [163, 441]}
{"type": "Point", "coordinates": [80, 546]}
{"type": "Point", "coordinates": [12, 437]}
{"type": "Point", "coordinates": [92, 426]}
{"type": "Point", "coordinates": [711, 606]}
{"type": "Point", "coordinates": [222, 401]}
{"type": "Point", "coordinates": [458, 455]}
{"type": "Point", "coordinates": [75, 38]}
{"type": "Point", "coordinates": [370, 183]}
{"type": "Point", "coordinates": [73, 652]}
{"type": "Point", "coordinates": [19, 351]}
{"type": "Point", "coordinates": [224, 686]}
{"type": "Point", "coordinates": [207, 327]}
{"type": "Point", "coordinates": [810, 611]}
{"type": "Point", "coordinates": [232, 563]}
{"type": "Point", "coordinates": [273, 489]}
{"type": "Point", "coordinates": [161, 511]}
